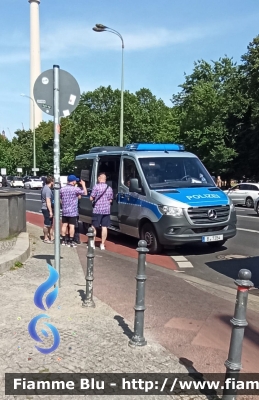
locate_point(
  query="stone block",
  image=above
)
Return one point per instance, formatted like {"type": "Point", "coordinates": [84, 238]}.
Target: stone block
{"type": "Point", "coordinates": [12, 213]}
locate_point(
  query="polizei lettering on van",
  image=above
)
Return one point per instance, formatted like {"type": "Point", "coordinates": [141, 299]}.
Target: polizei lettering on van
{"type": "Point", "coordinates": [203, 196]}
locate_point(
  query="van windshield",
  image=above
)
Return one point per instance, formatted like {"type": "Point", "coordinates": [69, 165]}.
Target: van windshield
{"type": "Point", "coordinates": [175, 172]}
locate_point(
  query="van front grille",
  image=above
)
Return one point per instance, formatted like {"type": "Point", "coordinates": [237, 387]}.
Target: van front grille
{"type": "Point", "coordinates": [200, 215]}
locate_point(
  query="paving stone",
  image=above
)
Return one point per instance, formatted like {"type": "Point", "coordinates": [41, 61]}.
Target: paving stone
{"type": "Point", "coordinates": [91, 339]}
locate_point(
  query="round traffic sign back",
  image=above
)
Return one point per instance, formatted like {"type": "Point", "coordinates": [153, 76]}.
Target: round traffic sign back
{"type": "Point", "coordinates": [69, 92]}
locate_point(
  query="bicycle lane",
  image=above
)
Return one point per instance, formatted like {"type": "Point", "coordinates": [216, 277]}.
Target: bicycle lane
{"type": "Point", "coordinates": [124, 246]}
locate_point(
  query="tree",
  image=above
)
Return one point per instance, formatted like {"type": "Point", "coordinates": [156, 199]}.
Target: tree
{"type": "Point", "coordinates": [247, 138]}
{"type": "Point", "coordinates": [5, 158]}
{"type": "Point", "coordinates": [209, 100]}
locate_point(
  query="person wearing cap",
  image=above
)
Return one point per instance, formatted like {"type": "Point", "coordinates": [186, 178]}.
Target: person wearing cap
{"type": "Point", "coordinates": [69, 197]}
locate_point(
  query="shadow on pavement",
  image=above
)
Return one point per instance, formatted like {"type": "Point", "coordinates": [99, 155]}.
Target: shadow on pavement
{"type": "Point", "coordinates": [82, 294]}
{"type": "Point", "coordinates": [231, 267]}
{"type": "Point", "coordinates": [125, 327]}
{"type": "Point", "coordinates": [46, 257]}
{"type": "Point", "coordinates": [251, 334]}
{"type": "Point", "coordinates": [198, 377]}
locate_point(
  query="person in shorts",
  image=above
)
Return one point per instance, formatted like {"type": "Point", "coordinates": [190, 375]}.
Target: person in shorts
{"type": "Point", "coordinates": [47, 210]}
{"type": "Point", "coordinates": [101, 196]}
{"type": "Point", "coordinates": [69, 195]}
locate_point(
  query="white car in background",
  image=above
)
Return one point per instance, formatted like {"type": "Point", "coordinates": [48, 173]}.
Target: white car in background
{"type": "Point", "coordinates": [16, 181]}
{"type": "Point", "coordinates": [244, 194]}
{"type": "Point", "coordinates": [63, 180]}
{"type": "Point", "coordinates": [33, 183]}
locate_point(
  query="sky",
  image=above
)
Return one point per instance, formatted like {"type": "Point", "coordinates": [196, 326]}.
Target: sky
{"type": "Point", "coordinates": [163, 39]}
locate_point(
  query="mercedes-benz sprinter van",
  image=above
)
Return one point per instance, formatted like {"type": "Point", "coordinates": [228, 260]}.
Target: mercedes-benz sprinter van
{"type": "Point", "coordinates": [162, 194]}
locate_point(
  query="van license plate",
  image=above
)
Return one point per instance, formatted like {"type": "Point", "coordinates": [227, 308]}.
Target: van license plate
{"type": "Point", "coordinates": [214, 238]}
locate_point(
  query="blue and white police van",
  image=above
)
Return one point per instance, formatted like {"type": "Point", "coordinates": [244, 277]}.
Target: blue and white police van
{"type": "Point", "coordinates": [162, 194]}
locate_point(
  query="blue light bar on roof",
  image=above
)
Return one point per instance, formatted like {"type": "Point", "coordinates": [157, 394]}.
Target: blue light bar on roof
{"type": "Point", "coordinates": [155, 147]}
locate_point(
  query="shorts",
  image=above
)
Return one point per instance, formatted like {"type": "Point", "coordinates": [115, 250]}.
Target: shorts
{"type": "Point", "coordinates": [48, 222]}
{"type": "Point", "coordinates": [69, 220]}
{"type": "Point", "coordinates": [101, 220]}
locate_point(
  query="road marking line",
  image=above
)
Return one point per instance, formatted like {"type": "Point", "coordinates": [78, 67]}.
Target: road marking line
{"type": "Point", "coordinates": [31, 199]}
{"type": "Point", "coordinates": [247, 230]}
{"type": "Point", "coordinates": [185, 264]}
{"type": "Point", "coordinates": [246, 216]}
{"type": "Point", "coordinates": [181, 261]}
{"type": "Point", "coordinates": [179, 258]}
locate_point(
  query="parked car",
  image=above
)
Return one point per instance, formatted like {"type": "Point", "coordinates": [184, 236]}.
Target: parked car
{"type": "Point", "coordinates": [63, 180]}
{"type": "Point", "coordinates": [17, 182]}
{"type": "Point", "coordinates": [4, 181]}
{"type": "Point", "coordinates": [26, 177]}
{"type": "Point", "coordinates": [33, 183]}
{"type": "Point", "coordinates": [244, 194]}
{"type": "Point", "coordinates": [9, 178]}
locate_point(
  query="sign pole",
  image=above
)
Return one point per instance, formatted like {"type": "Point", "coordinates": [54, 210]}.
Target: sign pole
{"type": "Point", "coordinates": [56, 171]}
{"type": "Point", "coordinates": [57, 93]}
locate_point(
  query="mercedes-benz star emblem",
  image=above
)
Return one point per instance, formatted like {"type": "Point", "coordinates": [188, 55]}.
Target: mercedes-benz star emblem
{"type": "Point", "coordinates": [212, 214]}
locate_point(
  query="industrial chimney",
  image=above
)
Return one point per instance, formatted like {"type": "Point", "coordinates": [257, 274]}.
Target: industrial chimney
{"type": "Point", "coordinates": [35, 67]}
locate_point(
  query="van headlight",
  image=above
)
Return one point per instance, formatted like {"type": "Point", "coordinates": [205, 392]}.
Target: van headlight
{"type": "Point", "coordinates": [174, 211]}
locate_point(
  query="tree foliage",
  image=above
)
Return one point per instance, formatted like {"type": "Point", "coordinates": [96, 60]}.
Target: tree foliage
{"type": "Point", "coordinates": [215, 115]}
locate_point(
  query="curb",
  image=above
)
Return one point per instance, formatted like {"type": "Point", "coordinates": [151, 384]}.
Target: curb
{"type": "Point", "coordinates": [20, 252]}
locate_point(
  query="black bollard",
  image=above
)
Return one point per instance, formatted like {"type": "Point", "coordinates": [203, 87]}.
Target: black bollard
{"type": "Point", "coordinates": [89, 277]}
{"type": "Point", "coordinates": [239, 322]}
{"type": "Point", "coordinates": [138, 335]}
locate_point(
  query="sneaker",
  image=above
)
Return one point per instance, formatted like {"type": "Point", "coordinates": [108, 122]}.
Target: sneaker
{"type": "Point", "coordinates": [102, 247]}
{"type": "Point", "coordinates": [73, 244]}
{"type": "Point", "coordinates": [64, 243]}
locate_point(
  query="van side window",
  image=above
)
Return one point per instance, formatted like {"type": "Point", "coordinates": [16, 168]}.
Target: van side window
{"type": "Point", "coordinates": [110, 165]}
{"type": "Point", "coordinates": [84, 169]}
{"type": "Point", "coordinates": [130, 171]}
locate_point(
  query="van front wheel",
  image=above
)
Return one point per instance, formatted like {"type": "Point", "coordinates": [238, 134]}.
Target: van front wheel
{"type": "Point", "coordinates": [148, 234]}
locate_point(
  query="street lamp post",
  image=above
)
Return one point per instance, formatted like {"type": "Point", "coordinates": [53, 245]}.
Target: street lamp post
{"type": "Point", "coordinates": [103, 28]}
{"type": "Point", "coordinates": [34, 144]}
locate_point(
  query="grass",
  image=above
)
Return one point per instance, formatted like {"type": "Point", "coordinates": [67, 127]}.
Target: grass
{"type": "Point", "coordinates": [16, 265]}
{"type": "Point", "coordinates": [43, 370]}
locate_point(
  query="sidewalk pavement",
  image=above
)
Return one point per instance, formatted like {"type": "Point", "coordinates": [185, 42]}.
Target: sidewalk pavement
{"type": "Point", "coordinates": [92, 340]}
{"type": "Point", "coordinates": [191, 323]}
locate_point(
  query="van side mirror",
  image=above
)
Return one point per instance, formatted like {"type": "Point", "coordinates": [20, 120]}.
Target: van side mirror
{"type": "Point", "coordinates": [134, 186]}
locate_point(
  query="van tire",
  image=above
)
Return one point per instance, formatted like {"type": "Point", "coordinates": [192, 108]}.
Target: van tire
{"type": "Point", "coordinates": [148, 234]}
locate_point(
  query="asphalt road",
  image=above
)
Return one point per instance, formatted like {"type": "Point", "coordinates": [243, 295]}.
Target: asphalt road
{"type": "Point", "coordinates": [242, 251]}
{"type": "Point", "coordinates": [217, 266]}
